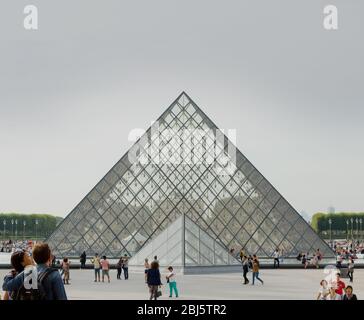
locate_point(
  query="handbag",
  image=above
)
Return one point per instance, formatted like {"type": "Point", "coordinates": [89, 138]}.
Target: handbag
{"type": "Point", "coordinates": [159, 293]}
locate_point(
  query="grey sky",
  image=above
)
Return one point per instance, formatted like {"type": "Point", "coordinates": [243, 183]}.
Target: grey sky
{"type": "Point", "coordinates": [71, 92]}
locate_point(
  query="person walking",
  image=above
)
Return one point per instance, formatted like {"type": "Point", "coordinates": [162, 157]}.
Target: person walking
{"type": "Point", "coordinates": [105, 265]}
{"type": "Point", "coordinates": [118, 268]}
{"type": "Point", "coordinates": [125, 267]}
{"type": "Point", "coordinates": [351, 269]}
{"type": "Point", "coordinates": [250, 262]}
{"type": "Point", "coordinates": [304, 261]}
{"type": "Point", "coordinates": [245, 269]}
{"type": "Point", "coordinates": [97, 266]}
{"type": "Point", "coordinates": [66, 270]}
{"type": "Point", "coordinates": [276, 258]}
{"type": "Point", "coordinates": [83, 260]}
{"type": "Point", "coordinates": [171, 280]}
{"type": "Point", "coordinates": [146, 268]}
{"type": "Point", "coordinates": [154, 280]}
{"type": "Point", "coordinates": [256, 269]}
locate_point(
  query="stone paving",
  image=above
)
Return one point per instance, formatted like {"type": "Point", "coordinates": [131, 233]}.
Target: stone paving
{"type": "Point", "coordinates": [278, 284]}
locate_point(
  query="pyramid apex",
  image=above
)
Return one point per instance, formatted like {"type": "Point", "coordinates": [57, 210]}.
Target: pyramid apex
{"type": "Point", "coordinates": [183, 99]}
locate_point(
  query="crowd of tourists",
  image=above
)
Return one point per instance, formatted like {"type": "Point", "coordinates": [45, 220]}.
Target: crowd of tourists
{"type": "Point", "coordinates": [12, 245]}
{"type": "Point", "coordinates": [345, 247]}
{"type": "Point", "coordinates": [101, 266]}
{"type": "Point", "coordinates": [310, 260]}
{"type": "Point", "coordinates": [335, 290]}
{"type": "Point", "coordinates": [53, 275]}
{"type": "Point", "coordinates": [153, 279]}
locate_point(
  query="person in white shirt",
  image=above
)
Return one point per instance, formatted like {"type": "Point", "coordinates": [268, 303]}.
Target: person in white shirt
{"type": "Point", "coordinates": [314, 261]}
{"type": "Point", "coordinates": [351, 269]}
{"type": "Point", "coordinates": [276, 258]}
{"type": "Point", "coordinates": [324, 291]}
{"type": "Point", "coordinates": [171, 279]}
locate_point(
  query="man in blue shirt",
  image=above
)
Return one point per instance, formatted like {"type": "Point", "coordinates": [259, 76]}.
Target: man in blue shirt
{"type": "Point", "coordinates": [52, 284]}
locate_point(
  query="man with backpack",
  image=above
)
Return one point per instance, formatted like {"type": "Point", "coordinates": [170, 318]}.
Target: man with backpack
{"type": "Point", "coordinates": [49, 282]}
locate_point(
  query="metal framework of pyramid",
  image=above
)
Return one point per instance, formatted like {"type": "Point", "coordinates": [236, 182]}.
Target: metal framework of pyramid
{"type": "Point", "coordinates": [184, 244]}
{"type": "Point", "coordinates": [183, 166]}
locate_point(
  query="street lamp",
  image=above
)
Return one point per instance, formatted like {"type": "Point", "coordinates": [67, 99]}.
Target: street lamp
{"type": "Point", "coordinates": [12, 227]}
{"type": "Point", "coordinates": [357, 228]}
{"type": "Point", "coordinates": [16, 229]}
{"type": "Point", "coordinates": [361, 230]}
{"type": "Point", "coordinates": [4, 223]}
{"type": "Point", "coordinates": [352, 237]}
{"type": "Point", "coordinates": [330, 221]}
{"type": "Point", "coordinates": [36, 231]}
{"type": "Point", "coordinates": [347, 230]}
{"type": "Point", "coordinates": [24, 224]}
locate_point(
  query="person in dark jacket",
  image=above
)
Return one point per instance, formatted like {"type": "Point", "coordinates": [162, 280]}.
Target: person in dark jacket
{"type": "Point", "coordinates": [118, 268]}
{"type": "Point", "coordinates": [245, 263]}
{"type": "Point", "coordinates": [154, 280]}
{"type": "Point", "coordinates": [83, 260]}
{"type": "Point", "coordinates": [349, 295]}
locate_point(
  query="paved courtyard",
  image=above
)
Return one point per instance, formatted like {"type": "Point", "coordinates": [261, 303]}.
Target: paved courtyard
{"type": "Point", "coordinates": [278, 284]}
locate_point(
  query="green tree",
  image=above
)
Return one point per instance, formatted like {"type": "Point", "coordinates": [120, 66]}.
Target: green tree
{"type": "Point", "coordinates": [28, 226]}
{"type": "Point", "coordinates": [341, 225]}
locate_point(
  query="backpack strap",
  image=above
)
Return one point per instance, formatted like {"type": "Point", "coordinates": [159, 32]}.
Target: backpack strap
{"type": "Point", "coordinates": [44, 274]}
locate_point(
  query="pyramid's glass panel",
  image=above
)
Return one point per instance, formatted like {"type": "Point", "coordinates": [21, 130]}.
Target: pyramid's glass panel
{"type": "Point", "coordinates": [184, 164]}
{"type": "Point", "coordinates": [203, 250]}
{"type": "Point", "coordinates": [184, 243]}
{"type": "Point", "coordinates": [167, 246]}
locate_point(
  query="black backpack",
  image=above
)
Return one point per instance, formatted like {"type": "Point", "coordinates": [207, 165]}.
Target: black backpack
{"type": "Point", "coordinates": [34, 294]}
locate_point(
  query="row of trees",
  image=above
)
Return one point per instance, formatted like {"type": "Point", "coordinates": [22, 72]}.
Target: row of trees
{"type": "Point", "coordinates": [27, 226]}
{"type": "Point", "coordinates": [342, 224]}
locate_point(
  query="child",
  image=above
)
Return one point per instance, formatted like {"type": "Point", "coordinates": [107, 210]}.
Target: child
{"type": "Point", "coordinates": [171, 279]}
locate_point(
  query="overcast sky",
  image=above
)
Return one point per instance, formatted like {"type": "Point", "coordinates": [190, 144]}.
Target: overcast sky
{"type": "Point", "coordinates": [71, 92]}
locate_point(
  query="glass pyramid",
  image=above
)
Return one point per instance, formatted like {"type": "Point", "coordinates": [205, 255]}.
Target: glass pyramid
{"type": "Point", "coordinates": [183, 243]}
{"type": "Point", "coordinates": [184, 165]}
